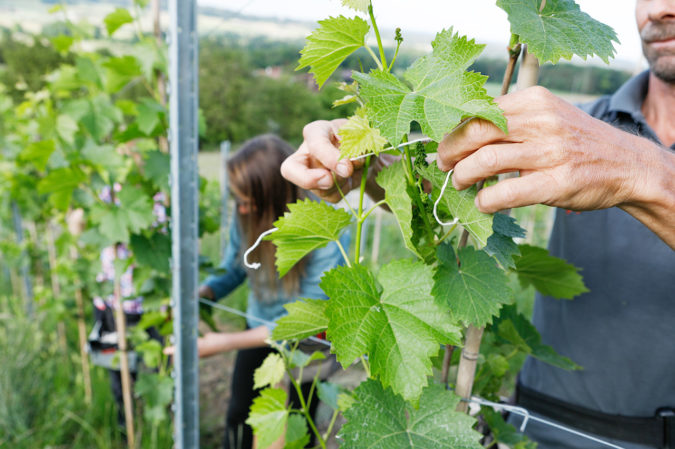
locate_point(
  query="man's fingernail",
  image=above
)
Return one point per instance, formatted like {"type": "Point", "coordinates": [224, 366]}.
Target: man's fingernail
{"type": "Point", "coordinates": [342, 169]}
{"type": "Point", "coordinates": [325, 183]}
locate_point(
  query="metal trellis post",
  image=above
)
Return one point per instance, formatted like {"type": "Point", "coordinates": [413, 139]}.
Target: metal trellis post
{"type": "Point", "coordinates": [183, 133]}
{"type": "Point", "coordinates": [224, 195]}
{"type": "Point", "coordinates": [25, 275]}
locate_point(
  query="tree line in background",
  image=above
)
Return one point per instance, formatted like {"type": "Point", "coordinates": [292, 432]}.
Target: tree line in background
{"type": "Point", "coordinates": [249, 86]}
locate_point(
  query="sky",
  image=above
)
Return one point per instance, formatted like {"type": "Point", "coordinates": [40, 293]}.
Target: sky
{"type": "Point", "coordinates": [479, 19]}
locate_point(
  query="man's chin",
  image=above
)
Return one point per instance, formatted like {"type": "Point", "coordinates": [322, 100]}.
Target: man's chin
{"type": "Point", "coordinates": [664, 69]}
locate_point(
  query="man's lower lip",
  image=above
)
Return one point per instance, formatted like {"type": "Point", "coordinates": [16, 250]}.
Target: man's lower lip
{"type": "Point", "coordinates": [662, 44]}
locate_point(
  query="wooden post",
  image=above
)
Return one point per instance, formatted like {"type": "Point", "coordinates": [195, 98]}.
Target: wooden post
{"type": "Point", "coordinates": [56, 286]}
{"type": "Point", "coordinates": [467, 365]}
{"type": "Point", "coordinates": [121, 328]}
{"type": "Point", "coordinates": [82, 336]}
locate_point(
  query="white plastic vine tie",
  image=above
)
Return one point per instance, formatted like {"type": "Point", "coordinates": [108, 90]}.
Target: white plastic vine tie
{"type": "Point", "coordinates": [256, 265]}
{"type": "Point", "coordinates": [526, 417]}
{"type": "Point", "coordinates": [438, 200]}
{"type": "Point", "coordinates": [405, 144]}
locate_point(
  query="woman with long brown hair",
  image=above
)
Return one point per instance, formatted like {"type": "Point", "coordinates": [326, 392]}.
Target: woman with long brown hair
{"type": "Point", "coordinates": [261, 196]}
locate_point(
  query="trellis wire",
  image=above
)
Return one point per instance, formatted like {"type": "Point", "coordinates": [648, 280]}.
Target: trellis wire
{"type": "Point", "coordinates": [521, 411]}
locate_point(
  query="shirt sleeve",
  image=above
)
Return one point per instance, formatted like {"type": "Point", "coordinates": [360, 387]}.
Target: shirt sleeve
{"type": "Point", "coordinates": [322, 260]}
{"type": "Point", "coordinates": [234, 274]}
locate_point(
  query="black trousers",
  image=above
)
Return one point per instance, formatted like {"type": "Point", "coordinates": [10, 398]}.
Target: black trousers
{"type": "Point", "coordinates": [238, 434]}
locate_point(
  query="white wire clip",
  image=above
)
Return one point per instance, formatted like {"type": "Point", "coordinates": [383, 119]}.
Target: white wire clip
{"type": "Point", "coordinates": [438, 200]}
{"type": "Point", "coordinates": [256, 265]}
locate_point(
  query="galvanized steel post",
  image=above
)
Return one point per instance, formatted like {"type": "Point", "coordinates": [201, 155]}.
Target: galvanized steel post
{"type": "Point", "coordinates": [183, 134]}
{"type": "Point", "coordinates": [25, 273]}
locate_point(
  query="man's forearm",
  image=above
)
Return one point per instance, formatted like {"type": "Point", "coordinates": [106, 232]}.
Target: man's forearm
{"type": "Point", "coordinates": [653, 201]}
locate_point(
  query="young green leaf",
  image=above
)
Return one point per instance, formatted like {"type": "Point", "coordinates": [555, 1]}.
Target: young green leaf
{"type": "Point", "coordinates": [306, 317]}
{"type": "Point", "coordinates": [154, 251]}
{"type": "Point", "coordinates": [307, 226]}
{"type": "Point", "coordinates": [505, 433]}
{"type": "Point", "coordinates": [381, 419]}
{"type": "Point", "coordinates": [393, 180]}
{"type": "Point", "coordinates": [268, 416]}
{"type": "Point", "coordinates": [358, 138]}
{"type": "Point", "coordinates": [500, 244]}
{"type": "Point", "coordinates": [116, 19]}
{"type": "Point", "coordinates": [297, 433]}
{"type": "Point", "coordinates": [60, 184]}
{"type": "Point", "coordinates": [270, 372]}
{"type": "Point", "coordinates": [460, 205]}
{"type": "Point", "coordinates": [66, 128]}
{"type": "Point", "coordinates": [559, 31]}
{"type": "Point", "coordinates": [442, 92]}
{"type": "Point", "coordinates": [330, 44]}
{"type": "Point", "coordinates": [38, 153]}
{"type": "Point", "coordinates": [393, 319]}
{"type": "Point", "coordinates": [550, 275]}
{"type": "Point", "coordinates": [475, 289]}
{"type": "Point", "coordinates": [357, 5]}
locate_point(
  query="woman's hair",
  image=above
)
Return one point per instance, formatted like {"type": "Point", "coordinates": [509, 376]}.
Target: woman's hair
{"type": "Point", "coordinates": [254, 174]}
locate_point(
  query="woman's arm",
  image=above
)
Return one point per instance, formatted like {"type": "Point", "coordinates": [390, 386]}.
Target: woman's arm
{"type": "Point", "coordinates": [218, 342]}
{"type": "Point", "coordinates": [219, 286]}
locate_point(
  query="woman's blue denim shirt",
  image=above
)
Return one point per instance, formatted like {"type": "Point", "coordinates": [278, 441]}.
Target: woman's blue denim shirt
{"type": "Point", "coordinates": [263, 302]}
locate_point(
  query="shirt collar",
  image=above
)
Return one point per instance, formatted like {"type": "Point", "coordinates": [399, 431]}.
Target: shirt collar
{"type": "Point", "coordinates": [631, 95]}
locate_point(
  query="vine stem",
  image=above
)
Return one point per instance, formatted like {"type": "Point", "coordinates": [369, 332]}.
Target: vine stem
{"type": "Point", "coordinates": [383, 57]}
{"type": "Point", "coordinates": [361, 218]}
{"type": "Point", "coordinates": [305, 411]}
{"type": "Point", "coordinates": [467, 364]}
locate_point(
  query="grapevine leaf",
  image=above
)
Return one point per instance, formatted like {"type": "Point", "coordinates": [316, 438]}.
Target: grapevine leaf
{"type": "Point", "coordinates": [517, 330]}
{"type": "Point", "coordinates": [474, 290]}
{"type": "Point", "coordinates": [100, 117]}
{"type": "Point", "coordinates": [442, 92]}
{"type": "Point", "coordinates": [397, 424]}
{"type": "Point", "coordinates": [505, 433]}
{"type": "Point", "coordinates": [307, 226]}
{"type": "Point", "coordinates": [305, 318]}
{"type": "Point", "coordinates": [550, 275]}
{"type": "Point", "coordinates": [393, 319]}
{"type": "Point", "coordinates": [60, 184]}
{"type": "Point", "coordinates": [329, 392]}
{"type": "Point", "coordinates": [150, 115]}
{"type": "Point", "coordinates": [297, 433]}
{"type": "Point", "coordinates": [270, 372]}
{"type": "Point", "coordinates": [154, 252]}
{"type": "Point", "coordinates": [62, 43]}
{"type": "Point", "coordinates": [560, 30]}
{"type": "Point", "coordinates": [500, 244]}
{"type": "Point", "coordinates": [158, 168]}
{"type": "Point", "coordinates": [116, 19]}
{"type": "Point", "coordinates": [138, 208]}
{"type": "Point", "coordinates": [392, 180]}
{"type": "Point", "coordinates": [66, 128]}
{"type": "Point", "coordinates": [121, 71]}
{"type": "Point", "coordinates": [268, 416]}
{"type": "Point", "coordinates": [358, 138]}
{"type": "Point", "coordinates": [330, 44]}
{"type": "Point", "coordinates": [157, 393]}
{"type": "Point", "coordinates": [38, 153]}
{"type": "Point", "coordinates": [132, 215]}
{"type": "Point", "coordinates": [357, 5]}
{"type": "Point", "coordinates": [460, 205]}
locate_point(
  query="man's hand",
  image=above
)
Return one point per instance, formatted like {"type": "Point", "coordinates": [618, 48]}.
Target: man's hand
{"type": "Point", "coordinates": [565, 157]}
{"type": "Point", "coordinates": [206, 292]}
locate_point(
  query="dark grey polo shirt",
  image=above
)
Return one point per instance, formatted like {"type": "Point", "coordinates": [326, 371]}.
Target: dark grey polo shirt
{"type": "Point", "coordinates": [623, 331]}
